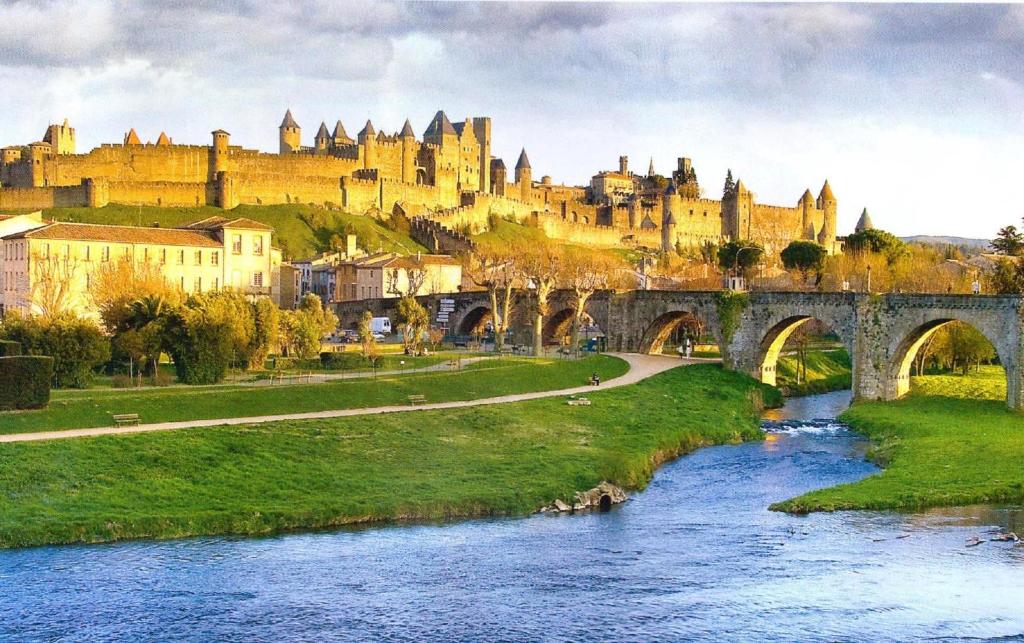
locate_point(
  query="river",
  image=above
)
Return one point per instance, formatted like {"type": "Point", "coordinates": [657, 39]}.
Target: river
{"type": "Point", "coordinates": [694, 556]}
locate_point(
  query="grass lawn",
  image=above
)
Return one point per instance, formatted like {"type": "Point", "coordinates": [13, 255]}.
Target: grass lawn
{"type": "Point", "coordinates": [93, 408]}
{"type": "Point", "coordinates": [258, 479]}
{"type": "Point", "coordinates": [951, 442]}
{"type": "Point", "coordinates": [827, 370]}
{"type": "Point", "coordinates": [300, 230]}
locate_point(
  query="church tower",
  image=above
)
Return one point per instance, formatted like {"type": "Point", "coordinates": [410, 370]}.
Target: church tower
{"type": "Point", "coordinates": [289, 134]}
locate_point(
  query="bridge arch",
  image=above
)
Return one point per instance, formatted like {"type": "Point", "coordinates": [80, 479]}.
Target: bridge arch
{"type": "Point", "coordinates": [909, 343]}
{"type": "Point", "coordinates": [777, 330]}
{"type": "Point", "coordinates": [473, 321]}
{"type": "Point", "coordinates": [557, 325]}
{"type": "Point", "coordinates": [662, 327]}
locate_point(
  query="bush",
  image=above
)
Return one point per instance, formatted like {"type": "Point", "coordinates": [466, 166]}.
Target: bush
{"type": "Point", "coordinates": [343, 361]}
{"type": "Point", "coordinates": [76, 345]}
{"type": "Point", "coordinates": [25, 382]}
{"type": "Point", "coordinates": [9, 348]}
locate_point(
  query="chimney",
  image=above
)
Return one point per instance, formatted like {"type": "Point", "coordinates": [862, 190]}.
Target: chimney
{"type": "Point", "coordinates": [350, 246]}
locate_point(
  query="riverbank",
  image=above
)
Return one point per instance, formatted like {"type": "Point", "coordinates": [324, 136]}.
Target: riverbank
{"type": "Point", "coordinates": [952, 442]}
{"type": "Point", "coordinates": [95, 408]}
{"type": "Point", "coordinates": [258, 479]}
{"type": "Point", "coordinates": [826, 371]}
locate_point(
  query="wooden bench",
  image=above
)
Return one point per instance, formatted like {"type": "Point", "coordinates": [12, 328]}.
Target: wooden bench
{"type": "Point", "coordinates": [578, 401]}
{"type": "Point", "coordinates": [417, 399]}
{"type": "Point", "coordinates": [123, 419]}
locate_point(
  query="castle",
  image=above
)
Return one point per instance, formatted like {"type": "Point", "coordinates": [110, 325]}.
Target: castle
{"type": "Point", "coordinates": [447, 183]}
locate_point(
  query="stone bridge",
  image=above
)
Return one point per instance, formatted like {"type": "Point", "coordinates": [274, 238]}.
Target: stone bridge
{"type": "Point", "coordinates": [882, 333]}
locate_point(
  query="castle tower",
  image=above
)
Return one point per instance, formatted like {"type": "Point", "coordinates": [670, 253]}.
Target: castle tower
{"type": "Point", "coordinates": [322, 140]}
{"type": "Point", "coordinates": [408, 139]}
{"type": "Point", "coordinates": [499, 177]}
{"type": "Point", "coordinates": [339, 137]}
{"type": "Point", "coordinates": [624, 165]}
{"type": "Point", "coordinates": [806, 206]}
{"type": "Point", "coordinates": [671, 206]}
{"type": "Point", "coordinates": [163, 140]}
{"type": "Point", "coordinates": [61, 138]}
{"type": "Point", "coordinates": [482, 130]}
{"type": "Point", "coordinates": [367, 138]}
{"type": "Point", "coordinates": [289, 134]}
{"type": "Point", "coordinates": [219, 153]}
{"type": "Point", "coordinates": [37, 153]}
{"type": "Point", "coordinates": [650, 169]}
{"type": "Point", "coordinates": [864, 222]}
{"type": "Point", "coordinates": [827, 203]}
{"type": "Point", "coordinates": [131, 138]}
{"type": "Point", "coordinates": [524, 177]}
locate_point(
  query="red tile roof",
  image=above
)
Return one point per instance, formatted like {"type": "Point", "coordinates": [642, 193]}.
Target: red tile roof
{"type": "Point", "coordinates": [119, 234]}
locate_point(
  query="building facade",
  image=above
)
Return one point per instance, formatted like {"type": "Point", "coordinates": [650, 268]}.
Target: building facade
{"type": "Point", "coordinates": [388, 275]}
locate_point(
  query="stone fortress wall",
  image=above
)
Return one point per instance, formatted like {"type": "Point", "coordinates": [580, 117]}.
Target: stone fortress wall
{"type": "Point", "coordinates": [448, 176]}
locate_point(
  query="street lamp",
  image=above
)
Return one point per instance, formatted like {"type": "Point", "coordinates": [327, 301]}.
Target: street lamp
{"type": "Point", "coordinates": [736, 260]}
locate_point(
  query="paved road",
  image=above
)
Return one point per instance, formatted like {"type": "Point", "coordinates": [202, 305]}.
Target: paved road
{"type": "Point", "coordinates": [640, 367]}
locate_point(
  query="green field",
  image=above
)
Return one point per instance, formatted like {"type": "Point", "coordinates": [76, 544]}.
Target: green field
{"type": "Point", "coordinates": [300, 230]}
{"type": "Point", "coordinates": [259, 479]}
{"type": "Point", "coordinates": [94, 408]}
{"type": "Point", "coordinates": [951, 442]}
{"type": "Point", "coordinates": [827, 370]}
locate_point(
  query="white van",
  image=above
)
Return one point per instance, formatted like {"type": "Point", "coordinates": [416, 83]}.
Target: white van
{"type": "Point", "coordinates": [380, 325]}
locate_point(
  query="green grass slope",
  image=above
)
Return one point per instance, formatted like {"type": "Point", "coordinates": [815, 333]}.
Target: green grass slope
{"type": "Point", "coordinates": [259, 479]}
{"type": "Point", "coordinates": [827, 370]}
{"type": "Point", "coordinates": [300, 230]}
{"type": "Point", "coordinates": [951, 442]}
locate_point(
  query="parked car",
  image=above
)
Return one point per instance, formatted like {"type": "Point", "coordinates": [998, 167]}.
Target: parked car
{"type": "Point", "coordinates": [381, 325]}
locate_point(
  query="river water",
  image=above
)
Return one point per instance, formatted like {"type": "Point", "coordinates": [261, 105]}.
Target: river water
{"type": "Point", "coordinates": [695, 556]}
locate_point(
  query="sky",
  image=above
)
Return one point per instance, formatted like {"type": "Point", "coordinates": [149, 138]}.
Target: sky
{"type": "Point", "coordinates": [913, 111]}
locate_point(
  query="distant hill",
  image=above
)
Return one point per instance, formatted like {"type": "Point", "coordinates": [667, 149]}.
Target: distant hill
{"type": "Point", "coordinates": [981, 244]}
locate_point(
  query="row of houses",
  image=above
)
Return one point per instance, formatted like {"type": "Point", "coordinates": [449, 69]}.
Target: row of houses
{"type": "Point", "coordinates": [42, 260]}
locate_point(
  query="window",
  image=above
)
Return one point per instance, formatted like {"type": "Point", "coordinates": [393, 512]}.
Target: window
{"type": "Point", "coordinates": [88, 253]}
{"type": "Point", "coordinates": [216, 283]}
{"type": "Point", "coordinates": [181, 258]}
{"type": "Point", "coordinates": [214, 258]}
{"type": "Point", "coordinates": [145, 255]}
{"type": "Point", "coordinates": [236, 244]}
{"type": "Point", "coordinates": [106, 254]}
{"type": "Point", "coordinates": [67, 250]}
{"type": "Point", "coordinates": [46, 250]}
{"type": "Point", "coordinates": [183, 283]}
{"type": "Point", "coordinates": [198, 285]}
{"type": "Point", "coordinates": [199, 257]}
{"type": "Point", "coordinates": [257, 279]}
{"type": "Point", "coordinates": [163, 256]}
{"type": "Point", "coordinates": [257, 245]}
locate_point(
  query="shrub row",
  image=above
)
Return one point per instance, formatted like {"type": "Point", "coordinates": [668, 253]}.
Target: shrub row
{"type": "Point", "coordinates": [9, 348]}
{"type": "Point", "coordinates": [25, 382]}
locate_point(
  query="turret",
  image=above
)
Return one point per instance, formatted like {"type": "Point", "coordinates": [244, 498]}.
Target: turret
{"type": "Point", "coordinates": [340, 137]}
{"type": "Point", "coordinates": [671, 206]}
{"type": "Point", "coordinates": [367, 138]}
{"type": "Point", "coordinates": [499, 177]}
{"type": "Point", "coordinates": [624, 165]}
{"type": "Point", "coordinates": [864, 222]}
{"type": "Point", "coordinates": [408, 139]}
{"type": "Point", "coordinates": [219, 152]}
{"type": "Point", "coordinates": [61, 138]}
{"type": "Point", "coordinates": [806, 206]}
{"type": "Point", "coordinates": [289, 134]}
{"type": "Point", "coordinates": [37, 153]}
{"type": "Point", "coordinates": [827, 203]}
{"type": "Point", "coordinates": [524, 177]}
{"type": "Point", "coordinates": [482, 130]}
{"type": "Point", "coordinates": [322, 140]}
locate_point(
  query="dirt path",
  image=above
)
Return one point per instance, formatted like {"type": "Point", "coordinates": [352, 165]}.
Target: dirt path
{"type": "Point", "coordinates": [640, 367]}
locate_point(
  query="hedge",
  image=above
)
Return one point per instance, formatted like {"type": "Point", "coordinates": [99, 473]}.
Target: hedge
{"type": "Point", "coordinates": [9, 348]}
{"type": "Point", "coordinates": [25, 382]}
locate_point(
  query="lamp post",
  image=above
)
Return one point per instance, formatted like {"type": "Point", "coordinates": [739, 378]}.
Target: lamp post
{"type": "Point", "coordinates": [736, 260]}
{"type": "Point", "coordinates": [869, 279]}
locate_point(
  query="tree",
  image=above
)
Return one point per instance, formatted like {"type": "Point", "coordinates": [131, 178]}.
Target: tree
{"type": "Point", "coordinates": [586, 272]}
{"type": "Point", "coordinates": [371, 351]}
{"type": "Point", "coordinates": [542, 269]}
{"type": "Point", "coordinates": [415, 272]}
{"type": "Point", "coordinates": [877, 242]}
{"type": "Point", "coordinates": [53, 284]}
{"type": "Point", "coordinates": [730, 185]}
{"type": "Point", "coordinates": [77, 346]}
{"type": "Point", "coordinates": [117, 285]}
{"type": "Point", "coordinates": [266, 325]}
{"type": "Point", "coordinates": [1008, 242]}
{"type": "Point", "coordinates": [414, 319]}
{"type": "Point", "coordinates": [497, 271]}
{"type": "Point", "coordinates": [303, 329]}
{"type": "Point", "coordinates": [806, 258]}
{"type": "Point", "coordinates": [203, 337]}
{"type": "Point", "coordinates": [959, 346]}
{"type": "Point", "coordinates": [744, 254]}
{"type": "Point", "coordinates": [1006, 278]}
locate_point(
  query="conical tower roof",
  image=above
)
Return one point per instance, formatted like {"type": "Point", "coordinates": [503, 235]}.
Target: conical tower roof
{"type": "Point", "coordinates": [407, 130]}
{"type": "Point", "coordinates": [671, 189]}
{"type": "Point", "coordinates": [339, 131]}
{"type": "Point", "coordinates": [740, 187]}
{"type": "Point", "coordinates": [826, 192]}
{"type": "Point", "coordinates": [439, 125]}
{"type": "Point", "coordinates": [864, 222]}
{"type": "Point", "coordinates": [368, 130]}
{"type": "Point", "coordinates": [162, 139]}
{"type": "Point", "coordinates": [322, 132]}
{"type": "Point", "coordinates": [650, 168]}
{"type": "Point", "coordinates": [288, 120]}
{"type": "Point", "coordinates": [807, 197]}
{"type": "Point", "coordinates": [131, 138]}
{"type": "Point", "coordinates": [524, 161]}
